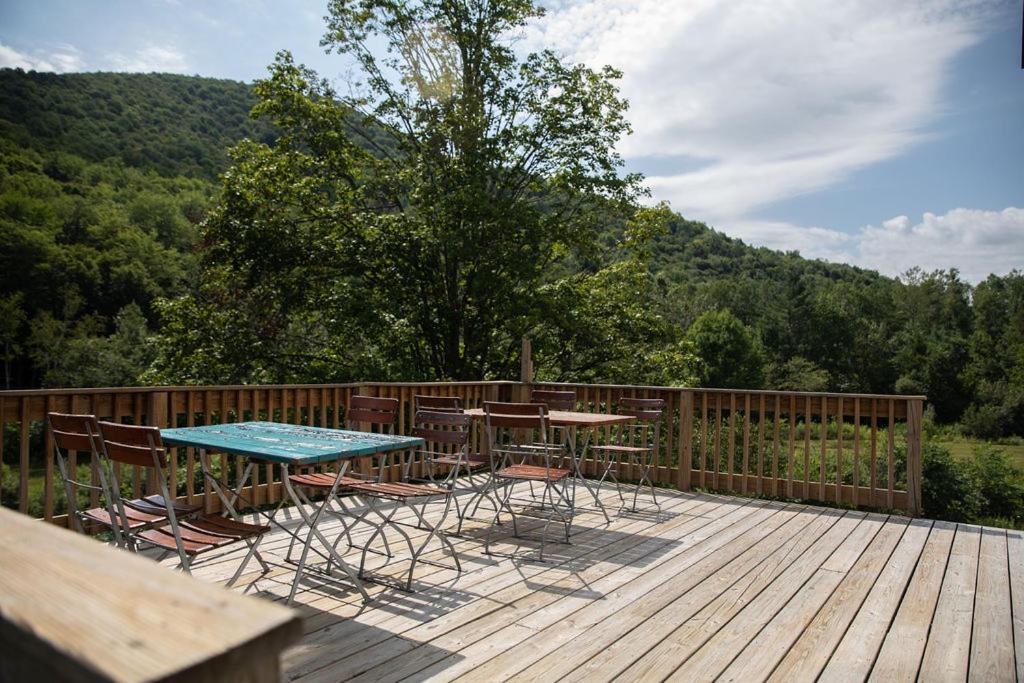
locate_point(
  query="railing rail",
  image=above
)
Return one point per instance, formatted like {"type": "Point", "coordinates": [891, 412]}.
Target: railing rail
{"type": "Point", "coordinates": [854, 449]}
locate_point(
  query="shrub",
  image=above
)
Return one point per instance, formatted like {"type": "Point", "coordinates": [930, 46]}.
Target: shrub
{"type": "Point", "coordinates": [1000, 484]}
{"type": "Point", "coordinates": [949, 489]}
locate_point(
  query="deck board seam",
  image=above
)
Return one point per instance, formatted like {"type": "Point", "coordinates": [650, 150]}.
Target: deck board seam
{"type": "Point", "coordinates": [708, 522]}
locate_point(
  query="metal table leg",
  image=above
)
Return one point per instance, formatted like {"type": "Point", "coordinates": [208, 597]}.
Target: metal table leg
{"type": "Point", "coordinates": [577, 458]}
{"type": "Point", "coordinates": [311, 522]}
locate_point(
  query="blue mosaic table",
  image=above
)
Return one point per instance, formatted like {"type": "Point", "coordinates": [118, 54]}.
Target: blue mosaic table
{"type": "Point", "coordinates": [285, 443]}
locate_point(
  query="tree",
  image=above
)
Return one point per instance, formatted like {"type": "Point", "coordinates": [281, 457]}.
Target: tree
{"type": "Point", "coordinates": [413, 223]}
{"type": "Point", "coordinates": [12, 317]}
{"type": "Point", "coordinates": [729, 352]}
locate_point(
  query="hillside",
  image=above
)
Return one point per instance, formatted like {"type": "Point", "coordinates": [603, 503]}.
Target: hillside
{"type": "Point", "coordinates": [104, 179]}
{"type": "Point", "coordinates": [173, 125]}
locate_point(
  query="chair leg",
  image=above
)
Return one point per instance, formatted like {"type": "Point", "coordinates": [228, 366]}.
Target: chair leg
{"type": "Point", "coordinates": [248, 556]}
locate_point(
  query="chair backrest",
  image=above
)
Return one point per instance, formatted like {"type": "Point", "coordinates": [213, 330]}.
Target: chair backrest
{"type": "Point", "coordinates": [133, 444]}
{"type": "Point", "coordinates": [372, 410]}
{"type": "Point", "coordinates": [650, 409]}
{"type": "Point", "coordinates": [450, 404]}
{"type": "Point", "coordinates": [75, 432]}
{"type": "Point", "coordinates": [441, 427]}
{"type": "Point", "coordinates": [555, 400]}
{"type": "Point", "coordinates": [516, 415]}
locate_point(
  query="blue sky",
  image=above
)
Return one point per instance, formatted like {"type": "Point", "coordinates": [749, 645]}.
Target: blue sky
{"type": "Point", "coordinates": [884, 133]}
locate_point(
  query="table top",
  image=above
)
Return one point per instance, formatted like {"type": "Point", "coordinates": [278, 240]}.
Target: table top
{"type": "Point", "coordinates": [567, 418]}
{"type": "Point", "coordinates": [286, 443]}
{"type": "Point", "coordinates": [81, 610]}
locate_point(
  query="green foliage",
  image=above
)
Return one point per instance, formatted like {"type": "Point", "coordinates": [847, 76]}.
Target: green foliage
{"type": "Point", "coordinates": [730, 354]}
{"type": "Point", "coordinates": [172, 125]}
{"type": "Point", "coordinates": [429, 255]}
{"type": "Point", "coordinates": [949, 490]}
{"type": "Point", "coordinates": [796, 374]}
{"type": "Point", "coordinates": [78, 249]}
{"type": "Point", "coordinates": [987, 488]}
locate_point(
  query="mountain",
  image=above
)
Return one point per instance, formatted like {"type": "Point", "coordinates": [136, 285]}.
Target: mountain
{"type": "Point", "coordinates": [170, 124]}
{"type": "Point", "coordinates": [104, 178]}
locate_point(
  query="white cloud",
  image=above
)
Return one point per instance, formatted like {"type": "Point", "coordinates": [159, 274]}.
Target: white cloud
{"type": "Point", "coordinates": [65, 58]}
{"type": "Point", "coordinates": [737, 104]}
{"type": "Point", "coordinates": [975, 241]}
{"type": "Point", "coordinates": [162, 59]}
{"type": "Point", "coordinates": [774, 98]}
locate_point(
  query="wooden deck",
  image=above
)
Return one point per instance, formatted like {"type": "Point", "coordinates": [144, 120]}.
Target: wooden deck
{"type": "Point", "coordinates": [712, 587]}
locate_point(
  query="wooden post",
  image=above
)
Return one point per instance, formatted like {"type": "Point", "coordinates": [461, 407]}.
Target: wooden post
{"type": "Point", "coordinates": [526, 368]}
{"type": "Point", "coordinates": [156, 416]}
{"type": "Point", "coordinates": [526, 371]}
{"type": "Point", "coordinates": [915, 410]}
{"type": "Point", "coordinates": [685, 440]}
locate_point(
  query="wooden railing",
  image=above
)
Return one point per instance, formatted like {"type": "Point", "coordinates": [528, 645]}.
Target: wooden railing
{"type": "Point", "coordinates": [860, 450]}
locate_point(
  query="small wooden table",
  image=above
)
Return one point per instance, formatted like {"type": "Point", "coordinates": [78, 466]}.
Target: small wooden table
{"type": "Point", "coordinates": [74, 609]}
{"type": "Point", "coordinates": [574, 421]}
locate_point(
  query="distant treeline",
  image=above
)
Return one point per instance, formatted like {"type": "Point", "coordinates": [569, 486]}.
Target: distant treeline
{"type": "Point", "coordinates": [105, 180]}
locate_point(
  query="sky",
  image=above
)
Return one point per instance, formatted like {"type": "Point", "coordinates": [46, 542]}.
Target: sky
{"type": "Point", "coordinates": [882, 133]}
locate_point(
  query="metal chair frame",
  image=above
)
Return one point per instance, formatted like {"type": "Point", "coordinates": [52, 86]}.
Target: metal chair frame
{"type": "Point", "coordinates": [645, 431]}
{"type": "Point", "coordinates": [132, 444]}
{"type": "Point", "coordinates": [382, 412]}
{"type": "Point", "coordinates": [509, 457]}
{"type": "Point", "coordinates": [81, 433]}
{"type": "Point", "coordinates": [477, 471]}
{"type": "Point", "coordinates": [435, 428]}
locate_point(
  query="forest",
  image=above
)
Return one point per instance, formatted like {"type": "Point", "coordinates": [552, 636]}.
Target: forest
{"type": "Point", "coordinates": [143, 241]}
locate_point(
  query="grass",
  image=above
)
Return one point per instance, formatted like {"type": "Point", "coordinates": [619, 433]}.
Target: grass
{"type": "Point", "coordinates": [964, 448]}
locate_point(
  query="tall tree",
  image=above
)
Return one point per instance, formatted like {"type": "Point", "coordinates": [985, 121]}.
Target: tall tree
{"type": "Point", "coordinates": [423, 207]}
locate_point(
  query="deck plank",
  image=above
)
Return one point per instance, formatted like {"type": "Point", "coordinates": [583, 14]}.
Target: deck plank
{"type": "Point", "coordinates": [496, 582]}
{"type": "Point", "coordinates": [471, 642]}
{"type": "Point", "coordinates": [1015, 550]}
{"type": "Point", "coordinates": [948, 651]}
{"type": "Point", "coordinates": [992, 656]}
{"type": "Point", "coordinates": [718, 652]}
{"type": "Point", "coordinates": [822, 609]}
{"type": "Point", "coordinates": [713, 586]}
{"type": "Point", "coordinates": [567, 646]}
{"type": "Point", "coordinates": [622, 641]}
{"type": "Point", "coordinates": [900, 656]}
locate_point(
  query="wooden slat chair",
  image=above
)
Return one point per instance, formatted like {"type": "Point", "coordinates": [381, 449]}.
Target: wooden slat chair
{"type": "Point", "coordinates": [637, 442]}
{"type": "Point", "coordinates": [188, 536]}
{"type": "Point", "coordinates": [81, 433]}
{"type": "Point", "coordinates": [447, 436]}
{"type": "Point", "coordinates": [447, 442]}
{"type": "Point", "coordinates": [513, 431]}
{"type": "Point", "coordinates": [380, 414]}
{"type": "Point", "coordinates": [448, 404]}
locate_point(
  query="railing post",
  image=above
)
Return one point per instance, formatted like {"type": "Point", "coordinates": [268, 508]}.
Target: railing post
{"type": "Point", "coordinates": [525, 371]}
{"type": "Point", "coordinates": [156, 416]}
{"type": "Point", "coordinates": [685, 440]}
{"type": "Point", "coordinates": [915, 411]}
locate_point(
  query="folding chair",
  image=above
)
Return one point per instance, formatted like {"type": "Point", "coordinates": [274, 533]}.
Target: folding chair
{"type": "Point", "coordinates": [513, 431]}
{"type": "Point", "coordinates": [81, 433]}
{"type": "Point", "coordinates": [637, 442]}
{"type": "Point", "coordinates": [448, 404]}
{"type": "Point", "coordinates": [189, 536]}
{"type": "Point", "coordinates": [443, 432]}
{"type": "Point", "coordinates": [447, 437]}
{"type": "Point", "coordinates": [377, 412]}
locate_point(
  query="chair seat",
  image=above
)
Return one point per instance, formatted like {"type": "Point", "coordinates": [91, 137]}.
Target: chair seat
{"type": "Point", "coordinates": [396, 489]}
{"type": "Point", "coordinates": [471, 461]}
{"type": "Point", "coordinates": [136, 520]}
{"type": "Point", "coordinates": [622, 449]}
{"type": "Point", "coordinates": [155, 505]}
{"type": "Point", "coordinates": [533, 473]}
{"type": "Point", "coordinates": [322, 480]}
{"type": "Point", "coordinates": [204, 533]}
